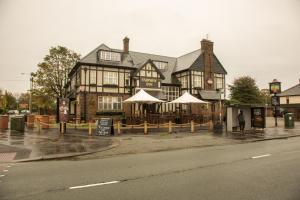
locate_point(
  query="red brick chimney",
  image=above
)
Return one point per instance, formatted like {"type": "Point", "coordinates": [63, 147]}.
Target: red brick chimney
{"type": "Point", "coordinates": [207, 51]}
{"type": "Point", "coordinates": [126, 45]}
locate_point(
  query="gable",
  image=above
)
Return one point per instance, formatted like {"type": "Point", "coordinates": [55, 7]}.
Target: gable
{"type": "Point", "coordinates": [148, 69]}
{"type": "Point", "coordinates": [198, 65]}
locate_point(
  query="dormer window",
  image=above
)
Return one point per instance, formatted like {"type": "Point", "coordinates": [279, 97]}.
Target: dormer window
{"type": "Point", "coordinates": [110, 56]}
{"type": "Point", "coordinates": [160, 65]}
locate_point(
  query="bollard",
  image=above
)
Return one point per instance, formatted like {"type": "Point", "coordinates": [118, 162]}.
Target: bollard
{"type": "Point", "coordinates": [39, 125]}
{"type": "Point", "coordinates": [145, 128]}
{"type": "Point", "coordinates": [170, 127]}
{"type": "Point", "coordinates": [192, 126]}
{"type": "Point", "coordinates": [90, 128]}
{"type": "Point", "coordinates": [119, 127]}
{"type": "Point", "coordinates": [62, 127]}
{"type": "Point", "coordinates": [210, 125]}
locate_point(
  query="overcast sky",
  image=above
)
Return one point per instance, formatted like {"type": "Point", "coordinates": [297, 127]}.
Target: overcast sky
{"type": "Point", "coordinates": [254, 37]}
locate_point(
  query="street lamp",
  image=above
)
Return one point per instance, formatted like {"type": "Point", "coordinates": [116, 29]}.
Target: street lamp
{"type": "Point", "coordinates": [85, 103]}
{"type": "Point", "coordinates": [275, 88]}
{"type": "Point", "coordinates": [30, 91]}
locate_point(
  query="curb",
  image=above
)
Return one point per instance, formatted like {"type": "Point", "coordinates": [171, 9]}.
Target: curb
{"type": "Point", "coordinates": [273, 138]}
{"type": "Point", "coordinates": [69, 155]}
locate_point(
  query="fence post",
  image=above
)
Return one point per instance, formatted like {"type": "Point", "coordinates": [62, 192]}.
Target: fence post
{"type": "Point", "coordinates": [192, 126]}
{"type": "Point", "coordinates": [119, 128]}
{"type": "Point", "coordinates": [145, 127]}
{"type": "Point", "coordinates": [90, 128]}
{"type": "Point", "coordinates": [210, 125]}
{"type": "Point", "coordinates": [170, 126]}
{"type": "Point", "coordinates": [39, 125]}
{"type": "Point", "coordinates": [62, 127]}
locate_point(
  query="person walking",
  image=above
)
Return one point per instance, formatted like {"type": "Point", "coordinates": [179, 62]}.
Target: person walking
{"type": "Point", "coordinates": [241, 120]}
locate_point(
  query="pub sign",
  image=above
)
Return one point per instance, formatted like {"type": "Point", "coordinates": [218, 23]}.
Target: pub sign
{"type": "Point", "coordinates": [63, 109]}
{"type": "Point", "coordinates": [146, 82]}
{"type": "Point", "coordinates": [275, 87]}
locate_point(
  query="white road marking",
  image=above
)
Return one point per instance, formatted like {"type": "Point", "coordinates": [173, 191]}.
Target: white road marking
{"type": "Point", "coordinates": [2, 175]}
{"type": "Point", "coordinates": [93, 185]}
{"type": "Point", "coordinates": [8, 166]}
{"type": "Point", "coordinates": [265, 155]}
{"type": "Point", "coordinates": [5, 170]}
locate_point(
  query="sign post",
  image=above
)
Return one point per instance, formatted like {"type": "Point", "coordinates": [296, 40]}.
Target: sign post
{"type": "Point", "coordinates": [275, 88]}
{"type": "Point", "coordinates": [63, 113]}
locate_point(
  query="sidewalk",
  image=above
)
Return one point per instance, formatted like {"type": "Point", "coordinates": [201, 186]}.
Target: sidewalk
{"type": "Point", "coordinates": [47, 144]}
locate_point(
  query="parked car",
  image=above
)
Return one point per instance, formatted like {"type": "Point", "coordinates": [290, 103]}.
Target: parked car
{"type": "Point", "coordinates": [13, 112]}
{"type": "Point", "coordinates": [25, 112]}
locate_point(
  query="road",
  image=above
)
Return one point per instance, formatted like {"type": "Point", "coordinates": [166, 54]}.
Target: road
{"type": "Point", "coordinates": [259, 170]}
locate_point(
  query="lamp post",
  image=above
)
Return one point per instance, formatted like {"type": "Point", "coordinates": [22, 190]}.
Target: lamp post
{"type": "Point", "coordinates": [275, 88]}
{"type": "Point", "coordinates": [30, 91]}
{"type": "Point", "coordinates": [85, 103]}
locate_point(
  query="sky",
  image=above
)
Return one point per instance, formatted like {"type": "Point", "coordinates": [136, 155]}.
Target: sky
{"type": "Point", "coordinates": [251, 37]}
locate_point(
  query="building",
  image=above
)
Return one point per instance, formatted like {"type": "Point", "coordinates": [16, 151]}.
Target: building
{"type": "Point", "coordinates": [290, 100]}
{"type": "Point", "coordinates": [105, 77]}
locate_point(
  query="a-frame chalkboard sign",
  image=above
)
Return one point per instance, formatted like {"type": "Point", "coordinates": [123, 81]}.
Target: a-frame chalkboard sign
{"type": "Point", "coordinates": [105, 127]}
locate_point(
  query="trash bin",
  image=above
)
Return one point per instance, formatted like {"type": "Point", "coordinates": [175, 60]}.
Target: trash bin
{"type": "Point", "coordinates": [218, 128]}
{"type": "Point", "coordinates": [289, 120]}
{"type": "Point", "coordinates": [17, 123]}
{"type": "Point", "coordinates": [3, 121]}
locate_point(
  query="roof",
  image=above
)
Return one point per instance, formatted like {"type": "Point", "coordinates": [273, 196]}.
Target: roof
{"type": "Point", "coordinates": [185, 61]}
{"type": "Point", "coordinates": [293, 91]}
{"type": "Point", "coordinates": [141, 65]}
{"type": "Point", "coordinates": [209, 94]}
{"type": "Point", "coordinates": [134, 59]}
{"type": "Point", "coordinates": [139, 58]}
{"type": "Point", "coordinates": [195, 60]}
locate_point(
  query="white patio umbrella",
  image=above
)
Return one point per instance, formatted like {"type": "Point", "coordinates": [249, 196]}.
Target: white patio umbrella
{"type": "Point", "coordinates": [142, 97]}
{"type": "Point", "coordinates": [187, 98]}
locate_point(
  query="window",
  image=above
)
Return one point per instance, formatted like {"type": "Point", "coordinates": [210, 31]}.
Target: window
{"type": "Point", "coordinates": [110, 78]}
{"type": "Point", "coordinates": [184, 82]}
{"type": "Point", "coordinates": [109, 55]}
{"type": "Point", "coordinates": [72, 107]}
{"type": "Point", "coordinates": [77, 79]}
{"type": "Point", "coordinates": [109, 103]}
{"type": "Point", "coordinates": [93, 79]}
{"type": "Point", "coordinates": [127, 79]}
{"type": "Point", "coordinates": [161, 65]}
{"type": "Point", "coordinates": [287, 100]}
{"type": "Point", "coordinates": [73, 82]}
{"type": "Point", "coordinates": [197, 81]}
{"type": "Point", "coordinates": [218, 81]}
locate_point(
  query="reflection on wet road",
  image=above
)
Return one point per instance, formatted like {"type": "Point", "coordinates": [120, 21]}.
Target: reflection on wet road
{"type": "Point", "coordinates": [32, 144]}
